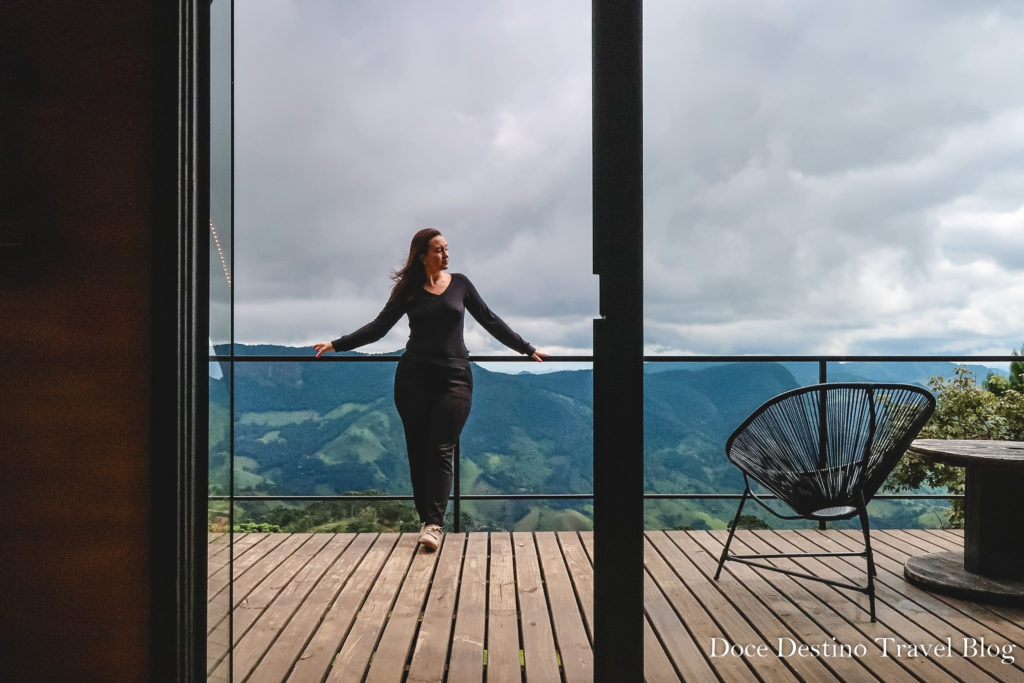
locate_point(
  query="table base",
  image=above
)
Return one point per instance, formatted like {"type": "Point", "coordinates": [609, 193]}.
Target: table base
{"type": "Point", "coordinates": [945, 573]}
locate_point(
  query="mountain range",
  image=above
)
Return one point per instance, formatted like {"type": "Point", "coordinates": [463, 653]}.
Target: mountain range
{"type": "Point", "coordinates": [326, 428]}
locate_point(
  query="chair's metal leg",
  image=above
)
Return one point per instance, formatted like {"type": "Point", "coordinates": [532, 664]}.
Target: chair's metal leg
{"type": "Point", "coordinates": [735, 521]}
{"type": "Point", "coordinates": [871, 560]}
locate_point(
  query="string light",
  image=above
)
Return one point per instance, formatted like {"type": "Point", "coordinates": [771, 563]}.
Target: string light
{"type": "Point", "coordinates": [220, 252]}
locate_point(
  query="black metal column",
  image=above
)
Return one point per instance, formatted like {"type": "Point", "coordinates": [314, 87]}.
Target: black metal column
{"type": "Point", "coordinates": [618, 340]}
{"type": "Point", "coordinates": [181, 337]}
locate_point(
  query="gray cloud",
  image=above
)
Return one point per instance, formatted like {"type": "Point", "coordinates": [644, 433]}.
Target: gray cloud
{"type": "Point", "coordinates": [819, 177]}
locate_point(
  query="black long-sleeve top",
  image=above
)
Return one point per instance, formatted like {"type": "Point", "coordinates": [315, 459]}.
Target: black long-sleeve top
{"type": "Point", "coordinates": [436, 323]}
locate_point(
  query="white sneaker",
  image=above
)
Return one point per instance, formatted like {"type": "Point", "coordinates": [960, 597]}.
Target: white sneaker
{"type": "Point", "coordinates": [431, 536]}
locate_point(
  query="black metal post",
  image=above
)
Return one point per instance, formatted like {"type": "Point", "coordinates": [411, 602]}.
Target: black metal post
{"type": "Point", "coordinates": [822, 425]}
{"type": "Point", "coordinates": [180, 402]}
{"type": "Point", "coordinates": [618, 340]}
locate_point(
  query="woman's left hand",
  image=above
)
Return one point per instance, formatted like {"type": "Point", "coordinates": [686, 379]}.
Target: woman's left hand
{"type": "Point", "coordinates": [539, 355]}
{"type": "Point", "coordinates": [323, 347]}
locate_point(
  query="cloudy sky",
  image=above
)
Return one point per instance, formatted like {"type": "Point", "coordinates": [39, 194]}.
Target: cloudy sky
{"type": "Point", "coordinates": [819, 177]}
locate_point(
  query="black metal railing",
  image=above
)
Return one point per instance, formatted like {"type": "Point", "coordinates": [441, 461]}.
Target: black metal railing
{"type": "Point", "coordinates": [458, 496]}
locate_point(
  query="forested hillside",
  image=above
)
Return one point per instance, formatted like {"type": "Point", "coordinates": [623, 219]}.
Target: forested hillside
{"type": "Point", "coordinates": [324, 428]}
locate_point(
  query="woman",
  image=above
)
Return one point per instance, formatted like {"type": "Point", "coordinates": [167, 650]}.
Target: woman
{"type": "Point", "coordinates": [433, 382]}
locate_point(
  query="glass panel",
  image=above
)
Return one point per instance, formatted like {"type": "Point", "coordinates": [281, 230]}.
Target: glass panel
{"type": "Point", "coordinates": [360, 123]}
{"type": "Point", "coordinates": [327, 516]}
{"type": "Point", "coordinates": [221, 228]}
{"type": "Point", "coordinates": [219, 565]}
{"type": "Point", "coordinates": [690, 409]}
{"type": "Point", "coordinates": [528, 515]}
{"type": "Point", "coordinates": [317, 429]}
{"type": "Point", "coordinates": [837, 178]}
{"type": "Point", "coordinates": [326, 428]}
{"type": "Point", "coordinates": [969, 408]}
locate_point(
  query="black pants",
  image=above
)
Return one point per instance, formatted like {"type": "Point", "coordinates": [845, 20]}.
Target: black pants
{"type": "Point", "coordinates": [433, 401]}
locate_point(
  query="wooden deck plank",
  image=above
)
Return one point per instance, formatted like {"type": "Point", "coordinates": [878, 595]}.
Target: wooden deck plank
{"type": "Point", "coordinates": [296, 588]}
{"type": "Point", "coordinates": [657, 666]}
{"type": "Point", "coordinates": [352, 661]}
{"type": "Point", "coordinates": [288, 646]}
{"type": "Point", "coordinates": [938, 618]}
{"type": "Point", "coordinates": [890, 556]}
{"type": "Point", "coordinates": [773, 615]}
{"type": "Point", "coordinates": [267, 590]}
{"type": "Point", "coordinates": [935, 542]}
{"type": "Point", "coordinates": [932, 629]}
{"type": "Point", "coordinates": [502, 614]}
{"type": "Point", "coordinates": [539, 651]}
{"type": "Point", "coordinates": [685, 587]}
{"type": "Point", "coordinates": [678, 644]}
{"type": "Point", "coordinates": [260, 560]}
{"type": "Point", "coordinates": [326, 641]}
{"type": "Point", "coordinates": [254, 644]}
{"type": "Point", "coordinates": [581, 571]}
{"type": "Point", "coordinates": [431, 652]}
{"type": "Point", "coordinates": [987, 612]}
{"type": "Point", "coordinates": [395, 646]}
{"type": "Point", "coordinates": [221, 576]}
{"type": "Point", "coordinates": [467, 657]}
{"type": "Point", "coordinates": [217, 552]}
{"type": "Point", "coordinates": [587, 538]}
{"type": "Point", "coordinates": [781, 599]}
{"type": "Point", "coordinates": [573, 644]}
{"type": "Point", "coordinates": [830, 609]}
{"type": "Point", "coordinates": [956, 533]}
{"type": "Point", "coordinates": [946, 542]}
{"type": "Point", "coordinates": [244, 585]}
{"type": "Point", "coordinates": [889, 617]}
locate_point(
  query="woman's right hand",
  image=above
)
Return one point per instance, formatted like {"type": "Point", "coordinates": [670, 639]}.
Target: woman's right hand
{"type": "Point", "coordinates": [323, 347]}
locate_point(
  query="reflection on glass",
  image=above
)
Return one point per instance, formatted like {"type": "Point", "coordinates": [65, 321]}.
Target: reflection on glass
{"type": "Point", "coordinates": [218, 644]}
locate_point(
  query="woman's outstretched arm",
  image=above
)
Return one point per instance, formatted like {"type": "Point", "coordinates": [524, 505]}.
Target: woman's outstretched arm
{"type": "Point", "coordinates": [368, 333]}
{"type": "Point", "coordinates": [498, 328]}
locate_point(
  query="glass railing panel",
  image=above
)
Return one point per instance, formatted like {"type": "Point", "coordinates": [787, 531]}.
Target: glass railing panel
{"type": "Point", "coordinates": [218, 642]}
{"type": "Point", "coordinates": [529, 433]}
{"type": "Point", "coordinates": [317, 429]}
{"type": "Point", "coordinates": [527, 515]}
{"type": "Point", "coordinates": [690, 409]}
{"type": "Point", "coordinates": [959, 388]}
{"type": "Point", "coordinates": [221, 226]}
{"type": "Point", "coordinates": [324, 516]}
{"type": "Point", "coordinates": [329, 427]}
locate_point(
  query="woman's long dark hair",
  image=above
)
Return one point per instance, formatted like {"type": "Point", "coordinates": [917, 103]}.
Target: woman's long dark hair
{"type": "Point", "coordinates": [410, 277]}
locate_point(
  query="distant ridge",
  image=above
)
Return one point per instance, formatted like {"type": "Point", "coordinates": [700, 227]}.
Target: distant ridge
{"type": "Point", "coordinates": [331, 428]}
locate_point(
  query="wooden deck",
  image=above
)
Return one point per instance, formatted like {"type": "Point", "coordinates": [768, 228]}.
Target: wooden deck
{"type": "Point", "coordinates": [512, 607]}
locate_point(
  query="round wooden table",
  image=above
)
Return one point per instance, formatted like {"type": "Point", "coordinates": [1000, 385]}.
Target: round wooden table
{"type": "Point", "coordinates": [992, 565]}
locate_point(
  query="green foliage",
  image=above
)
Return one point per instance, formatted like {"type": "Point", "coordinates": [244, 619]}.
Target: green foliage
{"type": "Point", "coordinates": [256, 528]}
{"type": "Point", "coordinates": [354, 516]}
{"type": "Point", "coordinates": [750, 522]}
{"type": "Point", "coordinates": [1017, 371]}
{"type": "Point", "coordinates": [964, 410]}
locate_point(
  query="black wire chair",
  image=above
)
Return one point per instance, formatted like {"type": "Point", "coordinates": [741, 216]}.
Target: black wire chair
{"type": "Point", "coordinates": [824, 451]}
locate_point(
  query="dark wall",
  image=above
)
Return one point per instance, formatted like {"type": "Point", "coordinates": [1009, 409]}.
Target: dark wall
{"type": "Point", "coordinates": [82, 141]}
